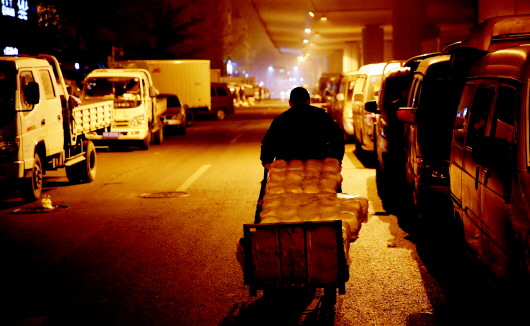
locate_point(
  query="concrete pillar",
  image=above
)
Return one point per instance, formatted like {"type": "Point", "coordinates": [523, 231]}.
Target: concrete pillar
{"type": "Point", "coordinates": [335, 62]}
{"type": "Point", "coordinates": [350, 59]}
{"type": "Point", "coordinates": [373, 44]}
{"type": "Point", "coordinates": [408, 17]}
{"type": "Point", "coordinates": [492, 8]}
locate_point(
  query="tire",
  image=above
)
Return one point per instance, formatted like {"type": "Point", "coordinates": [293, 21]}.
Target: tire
{"type": "Point", "coordinates": [32, 187]}
{"type": "Point", "coordinates": [220, 114]}
{"type": "Point", "coordinates": [84, 171]}
{"type": "Point", "coordinates": [144, 144]}
{"type": "Point", "coordinates": [88, 170]}
{"type": "Point", "coordinates": [159, 136]}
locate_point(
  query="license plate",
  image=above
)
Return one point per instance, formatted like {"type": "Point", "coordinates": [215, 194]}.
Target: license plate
{"type": "Point", "coordinates": [111, 134]}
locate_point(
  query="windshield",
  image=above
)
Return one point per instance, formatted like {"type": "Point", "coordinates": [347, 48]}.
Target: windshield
{"type": "Point", "coordinates": [125, 91]}
{"type": "Point", "coordinates": [374, 86]}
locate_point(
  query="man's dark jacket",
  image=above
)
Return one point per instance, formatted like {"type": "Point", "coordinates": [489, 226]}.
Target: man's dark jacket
{"type": "Point", "coordinates": [302, 132]}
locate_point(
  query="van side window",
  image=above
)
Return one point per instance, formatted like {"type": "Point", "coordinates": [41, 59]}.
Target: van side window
{"type": "Point", "coordinates": [25, 77]}
{"type": "Point", "coordinates": [417, 93]}
{"type": "Point", "coordinates": [480, 109]}
{"type": "Point", "coordinates": [359, 85]}
{"type": "Point", "coordinates": [504, 114]}
{"type": "Point", "coordinates": [351, 85]}
{"type": "Point", "coordinates": [47, 84]}
{"type": "Point", "coordinates": [461, 114]}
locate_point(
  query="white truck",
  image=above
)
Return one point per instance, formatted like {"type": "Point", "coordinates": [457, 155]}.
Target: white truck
{"type": "Point", "coordinates": [44, 128]}
{"type": "Point", "coordinates": [188, 79]}
{"type": "Point", "coordinates": [138, 113]}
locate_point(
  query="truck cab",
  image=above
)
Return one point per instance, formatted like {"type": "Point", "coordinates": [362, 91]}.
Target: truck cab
{"type": "Point", "coordinates": [137, 112]}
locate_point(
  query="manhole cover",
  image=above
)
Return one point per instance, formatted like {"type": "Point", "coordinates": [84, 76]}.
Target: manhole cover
{"type": "Point", "coordinates": [167, 194]}
{"type": "Point", "coordinates": [38, 210]}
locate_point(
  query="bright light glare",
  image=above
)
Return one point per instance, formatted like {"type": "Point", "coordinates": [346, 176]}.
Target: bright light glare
{"type": "Point", "coordinates": [323, 18]}
{"type": "Point", "coordinates": [229, 67]}
{"type": "Point", "coordinates": [271, 68]}
{"type": "Point", "coordinates": [306, 41]}
{"type": "Point", "coordinates": [307, 30]}
{"type": "Point", "coordinates": [311, 14]}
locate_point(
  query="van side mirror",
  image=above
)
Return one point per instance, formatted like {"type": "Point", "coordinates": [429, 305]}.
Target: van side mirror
{"type": "Point", "coordinates": [371, 106]}
{"type": "Point", "coordinates": [406, 114]}
{"type": "Point", "coordinates": [491, 152]}
{"type": "Point", "coordinates": [32, 93]}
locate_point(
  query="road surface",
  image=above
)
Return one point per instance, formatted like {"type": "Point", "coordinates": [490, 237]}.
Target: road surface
{"type": "Point", "coordinates": [152, 241]}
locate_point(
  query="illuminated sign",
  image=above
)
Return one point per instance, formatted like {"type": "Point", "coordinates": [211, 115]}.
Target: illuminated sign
{"type": "Point", "coordinates": [9, 50]}
{"type": "Point", "coordinates": [15, 8]}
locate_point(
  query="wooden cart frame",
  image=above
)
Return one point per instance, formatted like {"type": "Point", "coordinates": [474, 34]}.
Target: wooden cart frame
{"type": "Point", "coordinates": [294, 255]}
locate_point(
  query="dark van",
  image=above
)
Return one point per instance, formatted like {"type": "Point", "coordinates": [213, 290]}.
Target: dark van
{"type": "Point", "coordinates": [222, 100]}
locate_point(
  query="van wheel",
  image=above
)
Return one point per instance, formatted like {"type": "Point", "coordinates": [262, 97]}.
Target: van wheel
{"type": "Point", "coordinates": [220, 114]}
{"type": "Point", "coordinates": [32, 187]}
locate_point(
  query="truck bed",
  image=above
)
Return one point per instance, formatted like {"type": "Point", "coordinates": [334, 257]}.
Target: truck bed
{"type": "Point", "coordinates": [92, 116]}
{"type": "Point", "coordinates": [304, 254]}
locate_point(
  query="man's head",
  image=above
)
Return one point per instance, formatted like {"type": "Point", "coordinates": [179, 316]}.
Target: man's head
{"type": "Point", "coordinates": [299, 95]}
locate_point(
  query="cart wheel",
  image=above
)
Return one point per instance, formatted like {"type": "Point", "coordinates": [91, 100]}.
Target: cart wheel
{"type": "Point", "coordinates": [330, 296]}
{"type": "Point", "coordinates": [252, 291]}
{"type": "Point", "coordinates": [342, 288]}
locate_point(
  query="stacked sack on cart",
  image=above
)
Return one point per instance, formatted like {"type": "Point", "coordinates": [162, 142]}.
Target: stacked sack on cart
{"type": "Point", "coordinates": [300, 191]}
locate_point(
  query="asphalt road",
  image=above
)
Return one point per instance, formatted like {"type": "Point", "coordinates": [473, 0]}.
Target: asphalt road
{"type": "Point", "coordinates": [152, 242]}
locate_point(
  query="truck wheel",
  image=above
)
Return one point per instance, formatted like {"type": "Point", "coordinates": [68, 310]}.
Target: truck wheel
{"type": "Point", "coordinates": [87, 168]}
{"type": "Point", "coordinates": [84, 171]}
{"type": "Point", "coordinates": [159, 136]}
{"type": "Point", "coordinates": [32, 187]}
{"type": "Point", "coordinates": [220, 114]}
{"type": "Point", "coordinates": [144, 144]}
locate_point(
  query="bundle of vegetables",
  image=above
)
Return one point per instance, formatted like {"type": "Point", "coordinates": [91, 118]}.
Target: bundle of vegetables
{"type": "Point", "coordinates": [299, 191]}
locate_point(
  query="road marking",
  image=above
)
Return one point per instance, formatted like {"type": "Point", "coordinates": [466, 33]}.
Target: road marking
{"type": "Point", "coordinates": [184, 186]}
{"type": "Point", "coordinates": [235, 139]}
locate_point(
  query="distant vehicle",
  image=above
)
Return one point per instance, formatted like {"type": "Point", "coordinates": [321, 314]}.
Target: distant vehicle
{"type": "Point", "coordinates": [175, 116]}
{"type": "Point", "coordinates": [222, 100]}
{"type": "Point", "coordinates": [44, 128]}
{"type": "Point", "coordinates": [340, 107]}
{"type": "Point", "coordinates": [188, 79]}
{"type": "Point", "coordinates": [138, 113]}
{"type": "Point", "coordinates": [366, 90]}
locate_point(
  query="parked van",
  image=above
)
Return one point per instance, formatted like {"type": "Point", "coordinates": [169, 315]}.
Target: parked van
{"type": "Point", "coordinates": [366, 89]}
{"type": "Point", "coordinates": [490, 152]}
{"type": "Point", "coordinates": [341, 107]}
{"type": "Point", "coordinates": [428, 116]}
{"type": "Point", "coordinates": [222, 100]}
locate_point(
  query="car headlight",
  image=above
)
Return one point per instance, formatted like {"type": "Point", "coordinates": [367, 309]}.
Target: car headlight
{"type": "Point", "coordinates": [137, 121]}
